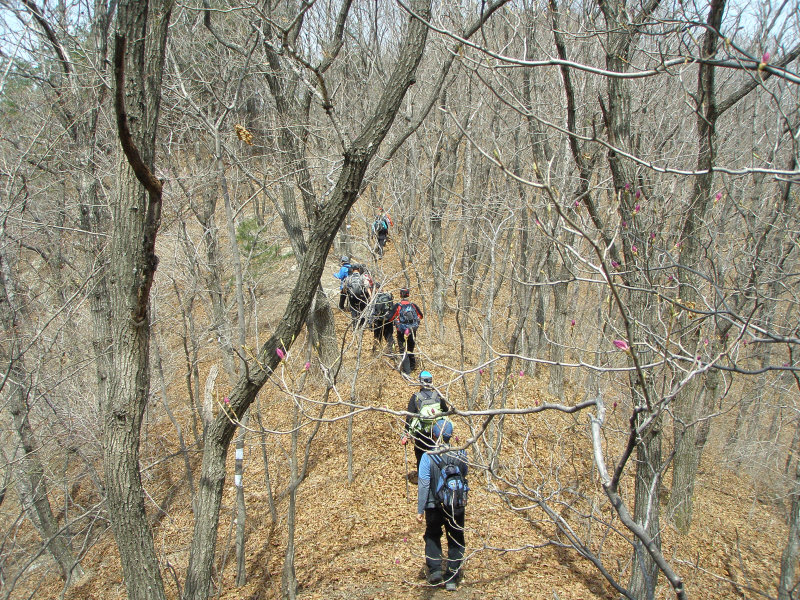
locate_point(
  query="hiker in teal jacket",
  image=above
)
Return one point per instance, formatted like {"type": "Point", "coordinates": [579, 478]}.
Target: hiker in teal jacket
{"type": "Point", "coordinates": [437, 517]}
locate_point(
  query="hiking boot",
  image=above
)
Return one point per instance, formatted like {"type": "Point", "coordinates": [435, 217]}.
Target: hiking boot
{"type": "Point", "coordinates": [435, 577]}
{"type": "Point", "coordinates": [451, 585]}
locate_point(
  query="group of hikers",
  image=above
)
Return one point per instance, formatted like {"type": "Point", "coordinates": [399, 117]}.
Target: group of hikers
{"type": "Point", "coordinates": [440, 472]}
{"type": "Point", "coordinates": [369, 305]}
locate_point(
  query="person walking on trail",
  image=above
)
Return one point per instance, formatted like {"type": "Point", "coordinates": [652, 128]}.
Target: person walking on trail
{"type": "Point", "coordinates": [423, 408]}
{"type": "Point", "coordinates": [406, 317]}
{"type": "Point", "coordinates": [341, 275]}
{"type": "Point", "coordinates": [441, 500]}
{"type": "Point", "coordinates": [380, 229]}
{"type": "Point", "coordinates": [381, 324]}
{"type": "Point", "coordinates": [358, 287]}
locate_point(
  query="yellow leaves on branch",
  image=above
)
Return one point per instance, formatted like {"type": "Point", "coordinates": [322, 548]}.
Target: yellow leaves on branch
{"type": "Point", "coordinates": [243, 134]}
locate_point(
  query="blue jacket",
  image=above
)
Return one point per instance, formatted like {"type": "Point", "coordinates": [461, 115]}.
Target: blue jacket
{"type": "Point", "coordinates": [342, 274]}
{"type": "Point", "coordinates": [425, 497]}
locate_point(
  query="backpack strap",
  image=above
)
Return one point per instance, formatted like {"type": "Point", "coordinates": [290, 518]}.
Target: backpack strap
{"type": "Point", "coordinates": [436, 475]}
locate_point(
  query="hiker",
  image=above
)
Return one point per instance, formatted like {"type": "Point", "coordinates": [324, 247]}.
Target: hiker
{"type": "Point", "coordinates": [381, 324]}
{"type": "Point", "coordinates": [341, 275]}
{"type": "Point", "coordinates": [406, 317]}
{"type": "Point", "coordinates": [380, 229]}
{"type": "Point", "coordinates": [358, 287]}
{"type": "Point", "coordinates": [423, 406]}
{"type": "Point", "coordinates": [441, 500]}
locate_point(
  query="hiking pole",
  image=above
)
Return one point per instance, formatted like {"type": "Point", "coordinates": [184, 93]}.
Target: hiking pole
{"type": "Point", "coordinates": [405, 454]}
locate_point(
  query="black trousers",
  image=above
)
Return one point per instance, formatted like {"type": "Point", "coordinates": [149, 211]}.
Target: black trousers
{"type": "Point", "coordinates": [383, 331]}
{"type": "Point", "coordinates": [381, 242]}
{"type": "Point", "coordinates": [357, 306]}
{"type": "Point", "coordinates": [437, 519]}
{"type": "Point", "coordinates": [407, 344]}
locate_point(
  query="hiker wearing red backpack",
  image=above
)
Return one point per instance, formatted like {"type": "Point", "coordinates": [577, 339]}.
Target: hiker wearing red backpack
{"type": "Point", "coordinates": [406, 317]}
{"type": "Point", "coordinates": [441, 500]}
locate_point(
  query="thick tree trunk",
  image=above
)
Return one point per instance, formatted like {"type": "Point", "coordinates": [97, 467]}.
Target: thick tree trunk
{"type": "Point", "coordinates": [139, 59]}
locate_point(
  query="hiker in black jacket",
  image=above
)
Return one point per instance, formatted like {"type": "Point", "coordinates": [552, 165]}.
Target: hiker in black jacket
{"type": "Point", "coordinates": [358, 287]}
{"type": "Point", "coordinates": [417, 429]}
{"type": "Point", "coordinates": [406, 317]}
{"type": "Point", "coordinates": [382, 326]}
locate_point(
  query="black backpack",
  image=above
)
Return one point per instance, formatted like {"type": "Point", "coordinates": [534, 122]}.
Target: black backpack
{"type": "Point", "coordinates": [450, 489]}
{"type": "Point", "coordinates": [383, 304]}
{"type": "Point", "coordinates": [407, 318]}
{"type": "Point", "coordinates": [356, 285]}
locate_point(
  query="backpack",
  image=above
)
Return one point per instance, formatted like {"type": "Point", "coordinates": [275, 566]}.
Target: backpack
{"type": "Point", "coordinates": [451, 488]}
{"type": "Point", "coordinates": [356, 285]}
{"type": "Point", "coordinates": [407, 318]}
{"type": "Point", "coordinates": [428, 408]}
{"type": "Point", "coordinates": [383, 304]}
{"type": "Point", "coordinates": [381, 226]}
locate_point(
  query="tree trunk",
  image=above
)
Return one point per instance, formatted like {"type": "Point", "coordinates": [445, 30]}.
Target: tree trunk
{"type": "Point", "coordinates": [617, 116]}
{"type": "Point", "coordinates": [33, 485]}
{"type": "Point", "coordinates": [787, 584]}
{"type": "Point", "coordinates": [644, 571]}
{"type": "Point", "coordinates": [139, 58]}
{"type": "Point", "coordinates": [688, 403]}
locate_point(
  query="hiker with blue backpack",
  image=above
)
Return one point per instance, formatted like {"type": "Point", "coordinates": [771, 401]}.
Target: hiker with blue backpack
{"type": "Point", "coordinates": [406, 317]}
{"type": "Point", "coordinates": [341, 275]}
{"type": "Point", "coordinates": [441, 500]}
{"type": "Point", "coordinates": [424, 407]}
{"type": "Point", "coordinates": [380, 229]}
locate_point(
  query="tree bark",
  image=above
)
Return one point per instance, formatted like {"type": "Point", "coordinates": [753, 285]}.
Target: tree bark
{"type": "Point", "coordinates": [139, 58]}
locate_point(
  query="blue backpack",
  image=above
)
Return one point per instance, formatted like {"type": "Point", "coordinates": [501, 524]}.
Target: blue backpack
{"type": "Point", "coordinates": [407, 318]}
{"type": "Point", "coordinates": [451, 488]}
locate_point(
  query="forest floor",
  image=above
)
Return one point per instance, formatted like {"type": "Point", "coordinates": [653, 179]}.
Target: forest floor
{"type": "Point", "coordinates": [357, 537]}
